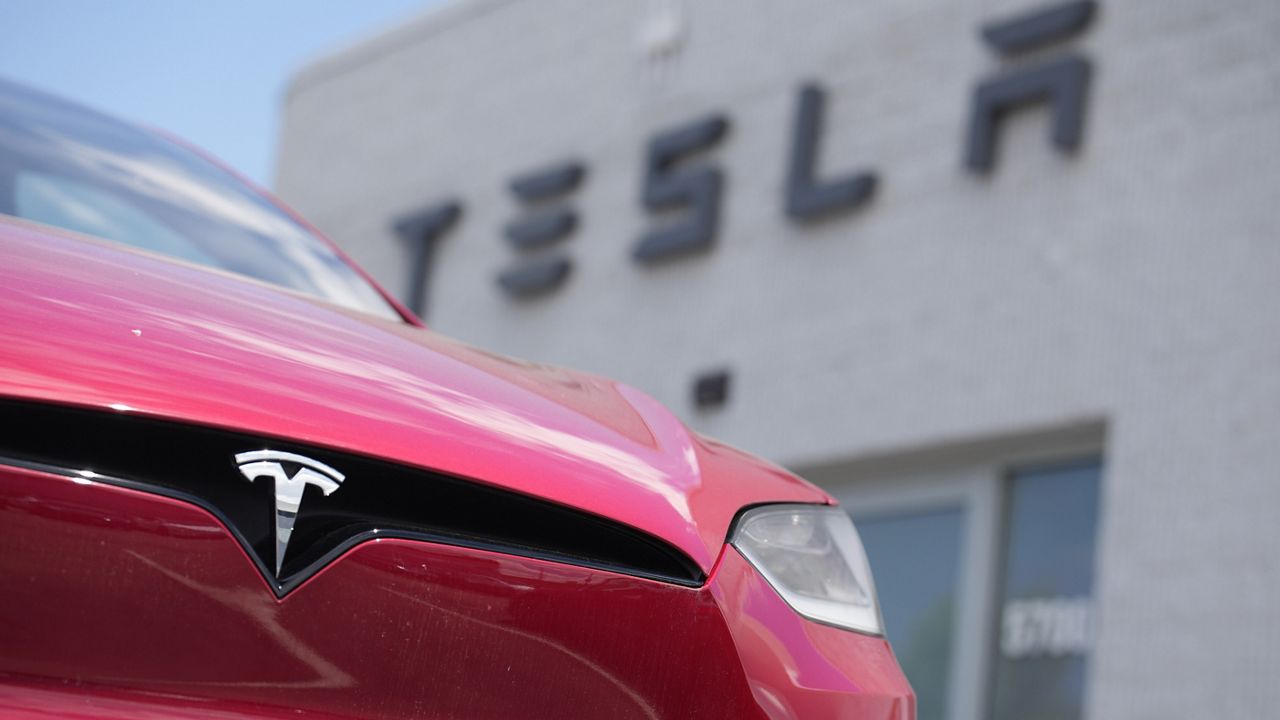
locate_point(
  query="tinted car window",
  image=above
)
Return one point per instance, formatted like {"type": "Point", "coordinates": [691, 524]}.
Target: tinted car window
{"type": "Point", "coordinates": [67, 166]}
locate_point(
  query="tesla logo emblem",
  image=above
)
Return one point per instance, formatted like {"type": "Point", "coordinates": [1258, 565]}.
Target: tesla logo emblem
{"type": "Point", "coordinates": [267, 463]}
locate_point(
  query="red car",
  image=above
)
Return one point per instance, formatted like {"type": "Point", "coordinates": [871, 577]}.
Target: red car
{"type": "Point", "coordinates": [239, 480]}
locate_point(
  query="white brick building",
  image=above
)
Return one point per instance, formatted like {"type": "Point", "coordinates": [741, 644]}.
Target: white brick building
{"type": "Point", "coordinates": [1095, 326]}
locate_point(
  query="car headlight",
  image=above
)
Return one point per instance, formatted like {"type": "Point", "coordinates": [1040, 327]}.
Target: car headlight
{"type": "Point", "coordinates": [812, 556]}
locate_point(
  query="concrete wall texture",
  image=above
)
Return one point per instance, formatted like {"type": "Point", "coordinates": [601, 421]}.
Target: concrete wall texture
{"type": "Point", "coordinates": [1132, 286]}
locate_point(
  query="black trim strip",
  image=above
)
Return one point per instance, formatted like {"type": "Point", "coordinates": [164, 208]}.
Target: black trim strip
{"type": "Point", "coordinates": [378, 499]}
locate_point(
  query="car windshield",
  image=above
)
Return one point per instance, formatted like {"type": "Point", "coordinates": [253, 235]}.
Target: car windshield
{"type": "Point", "coordinates": [67, 166]}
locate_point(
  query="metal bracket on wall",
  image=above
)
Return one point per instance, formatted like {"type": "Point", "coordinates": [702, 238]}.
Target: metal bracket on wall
{"type": "Point", "coordinates": [711, 389]}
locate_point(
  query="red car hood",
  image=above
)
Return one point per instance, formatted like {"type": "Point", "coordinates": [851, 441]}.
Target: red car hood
{"type": "Point", "coordinates": [96, 325]}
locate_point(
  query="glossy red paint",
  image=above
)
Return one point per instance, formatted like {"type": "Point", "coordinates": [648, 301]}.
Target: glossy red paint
{"type": "Point", "coordinates": [36, 699]}
{"type": "Point", "coordinates": [797, 668]}
{"type": "Point", "coordinates": [93, 324]}
{"type": "Point", "coordinates": [154, 610]}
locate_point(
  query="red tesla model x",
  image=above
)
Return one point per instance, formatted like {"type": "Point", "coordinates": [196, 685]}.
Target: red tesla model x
{"type": "Point", "coordinates": [239, 480]}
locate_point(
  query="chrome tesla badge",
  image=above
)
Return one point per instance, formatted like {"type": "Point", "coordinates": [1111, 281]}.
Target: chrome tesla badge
{"type": "Point", "coordinates": [267, 463]}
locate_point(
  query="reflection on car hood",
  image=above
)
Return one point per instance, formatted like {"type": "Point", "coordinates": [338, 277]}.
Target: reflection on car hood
{"type": "Point", "coordinates": [97, 325]}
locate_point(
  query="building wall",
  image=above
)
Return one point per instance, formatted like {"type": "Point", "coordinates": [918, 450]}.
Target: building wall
{"type": "Point", "coordinates": [1128, 287]}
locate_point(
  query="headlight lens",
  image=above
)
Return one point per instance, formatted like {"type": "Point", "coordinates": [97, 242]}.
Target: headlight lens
{"type": "Point", "coordinates": [812, 556]}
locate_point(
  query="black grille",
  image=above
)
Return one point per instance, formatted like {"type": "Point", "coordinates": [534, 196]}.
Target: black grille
{"type": "Point", "coordinates": [378, 498]}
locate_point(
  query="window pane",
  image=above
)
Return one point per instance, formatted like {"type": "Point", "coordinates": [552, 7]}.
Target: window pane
{"type": "Point", "coordinates": [77, 206]}
{"type": "Point", "coordinates": [915, 559]}
{"type": "Point", "coordinates": [83, 171]}
{"type": "Point", "coordinates": [1047, 617]}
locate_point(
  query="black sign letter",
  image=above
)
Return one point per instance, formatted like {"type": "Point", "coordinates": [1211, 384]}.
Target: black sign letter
{"type": "Point", "coordinates": [1062, 83]}
{"type": "Point", "coordinates": [547, 224]}
{"type": "Point", "coordinates": [808, 197]}
{"type": "Point", "coordinates": [697, 189]}
{"type": "Point", "coordinates": [421, 230]}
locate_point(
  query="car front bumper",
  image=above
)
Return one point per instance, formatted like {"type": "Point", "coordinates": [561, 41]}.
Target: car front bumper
{"type": "Point", "coordinates": [149, 601]}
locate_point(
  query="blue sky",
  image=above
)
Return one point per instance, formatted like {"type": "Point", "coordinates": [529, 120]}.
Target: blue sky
{"type": "Point", "coordinates": [210, 71]}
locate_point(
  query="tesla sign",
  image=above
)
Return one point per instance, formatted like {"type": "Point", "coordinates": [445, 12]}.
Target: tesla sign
{"type": "Point", "coordinates": [682, 182]}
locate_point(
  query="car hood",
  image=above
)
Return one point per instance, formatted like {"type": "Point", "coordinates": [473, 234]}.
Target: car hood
{"type": "Point", "coordinates": [93, 324]}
